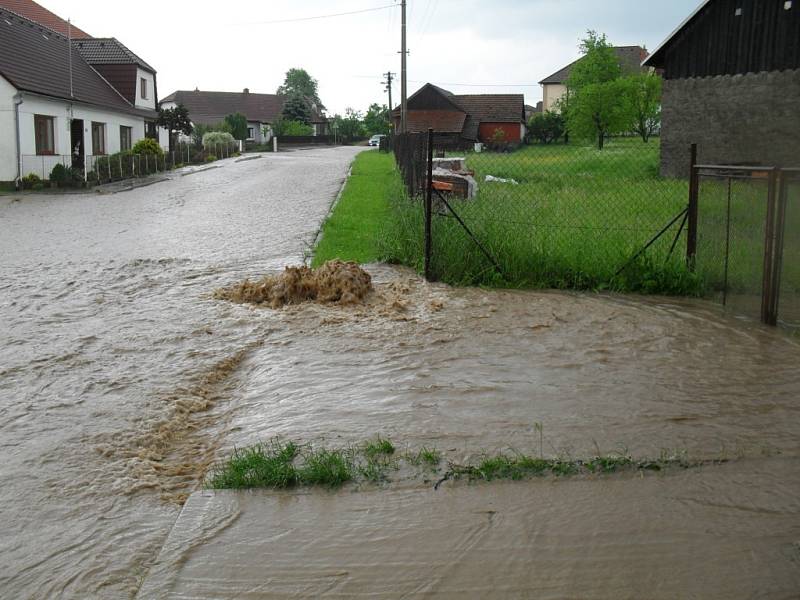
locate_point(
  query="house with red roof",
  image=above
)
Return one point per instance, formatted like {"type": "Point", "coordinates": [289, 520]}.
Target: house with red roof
{"type": "Point", "coordinates": [465, 118]}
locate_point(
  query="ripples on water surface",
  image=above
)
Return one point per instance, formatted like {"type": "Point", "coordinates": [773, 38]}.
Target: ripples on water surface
{"type": "Point", "coordinates": [121, 379]}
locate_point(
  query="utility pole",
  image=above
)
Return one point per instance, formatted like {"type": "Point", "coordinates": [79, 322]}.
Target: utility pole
{"type": "Point", "coordinates": [403, 73]}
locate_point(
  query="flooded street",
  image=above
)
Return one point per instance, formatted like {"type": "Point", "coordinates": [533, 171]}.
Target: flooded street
{"type": "Point", "coordinates": [122, 379]}
{"type": "Point", "coordinates": [107, 326]}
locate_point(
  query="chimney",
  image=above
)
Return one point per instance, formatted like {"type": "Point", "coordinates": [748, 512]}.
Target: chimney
{"type": "Point", "coordinates": [246, 90]}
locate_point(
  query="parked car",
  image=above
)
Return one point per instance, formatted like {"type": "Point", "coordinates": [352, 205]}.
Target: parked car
{"type": "Point", "coordinates": [375, 140]}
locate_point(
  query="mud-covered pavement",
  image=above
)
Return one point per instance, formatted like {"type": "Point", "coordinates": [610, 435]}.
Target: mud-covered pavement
{"type": "Point", "coordinates": [122, 379]}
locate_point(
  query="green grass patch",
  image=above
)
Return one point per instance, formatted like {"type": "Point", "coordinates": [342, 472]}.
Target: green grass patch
{"type": "Point", "coordinates": [279, 465]}
{"type": "Point", "coordinates": [354, 227]}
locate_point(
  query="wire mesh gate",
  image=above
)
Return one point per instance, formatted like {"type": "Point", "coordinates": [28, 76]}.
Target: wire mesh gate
{"type": "Point", "coordinates": [744, 238]}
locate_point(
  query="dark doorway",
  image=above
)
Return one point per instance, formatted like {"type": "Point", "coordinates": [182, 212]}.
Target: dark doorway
{"type": "Point", "coordinates": [150, 130]}
{"type": "Point", "coordinates": [76, 143]}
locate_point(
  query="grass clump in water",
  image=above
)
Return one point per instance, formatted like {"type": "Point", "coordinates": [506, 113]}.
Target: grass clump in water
{"type": "Point", "coordinates": [378, 447]}
{"type": "Point", "coordinates": [268, 465]}
{"type": "Point", "coordinates": [326, 467]}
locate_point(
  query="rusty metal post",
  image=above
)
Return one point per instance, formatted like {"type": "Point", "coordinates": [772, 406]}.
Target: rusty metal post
{"type": "Point", "coordinates": [428, 205]}
{"type": "Point", "coordinates": [780, 231]}
{"type": "Point", "coordinates": [692, 211]}
{"type": "Point", "coordinates": [767, 284]}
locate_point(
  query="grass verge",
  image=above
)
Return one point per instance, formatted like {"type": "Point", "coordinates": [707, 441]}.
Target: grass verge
{"type": "Point", "coordinates": [280, 465]}
{"type": "Point", "coordinates": [353, 229]}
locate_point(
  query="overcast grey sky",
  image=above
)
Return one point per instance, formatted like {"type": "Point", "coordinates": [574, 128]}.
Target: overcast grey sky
{"type": "Point", "coordinates": [467, 46]}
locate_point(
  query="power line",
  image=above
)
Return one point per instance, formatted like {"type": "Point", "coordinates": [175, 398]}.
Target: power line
{"type": "Point", "coordinates": [329, 16]}
{"type": "Point", "coordinates": [479, 84]}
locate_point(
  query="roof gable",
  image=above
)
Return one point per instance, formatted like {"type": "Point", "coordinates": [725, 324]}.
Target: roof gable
{"type": "Point", "coordinates": [432, 97]}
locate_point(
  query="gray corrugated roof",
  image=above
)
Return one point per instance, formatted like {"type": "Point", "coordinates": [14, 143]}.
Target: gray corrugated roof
{"type": "Point", "coordinates": [629, 57]}
{"type": "Point", "coordinates": [108, 51]}
{"type": "Point", "coordinates": [36, 59]}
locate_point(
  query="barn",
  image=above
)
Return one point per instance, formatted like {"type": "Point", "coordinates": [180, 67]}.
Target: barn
{"type": "Point", "coordinates": [732, 85]}
{"type": "Point", "coordinates": [465, 118]}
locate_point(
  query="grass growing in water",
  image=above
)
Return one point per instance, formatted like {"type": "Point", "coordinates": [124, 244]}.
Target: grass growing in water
{"type": "Point", "coordinates": [278, 465]}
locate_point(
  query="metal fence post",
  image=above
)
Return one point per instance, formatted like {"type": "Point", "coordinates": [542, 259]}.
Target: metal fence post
{"type": "Point", "coordinates": [428, 205]}
{"type": "Point", "coordinates": [768, 291]}
{"type": "Point", "coordinates": [694, 189]}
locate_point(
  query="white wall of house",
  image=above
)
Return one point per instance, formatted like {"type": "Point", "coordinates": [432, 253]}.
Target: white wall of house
{"type": "Point", "coordinates": [8, 148]}
{"type": "Point", "coordinates": [62, 113]}
{"type": "Point", "coordinates": [551, 93]}
{"type": "Point", "coordinates": [150, 100]}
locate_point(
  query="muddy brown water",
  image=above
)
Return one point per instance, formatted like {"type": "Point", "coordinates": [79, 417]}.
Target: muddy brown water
{"type": "Point", "coordinates": [122, 379]}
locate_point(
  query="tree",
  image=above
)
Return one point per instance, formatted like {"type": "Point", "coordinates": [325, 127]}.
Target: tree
{"type": "Point", "coordinates": [546, 127]}
{"type": "Point", "coordinates": [350, 127]}
{"type": "Point", "coordinates": [598, 104]}
{"type": "Point", "coordinates": [236, 125]}
{"type": "Point", "coordinates": [599, 110]}
{"type": "Point", "coordinates": [299, 83]}
{"type": "Point", "coordinates": [175, 120]}
{"type": "Point", "coordinates": [598, 64]}
{"type": "Point", "coordinates": [376, 121]}
{"type": "Point", "coordinates": [296, 108]}
{"type": "Point", "coordinates": [644, 99]}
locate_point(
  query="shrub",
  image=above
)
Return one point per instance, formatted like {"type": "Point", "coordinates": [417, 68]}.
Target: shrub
{"type": "Point", "coordinates": [60, 175]}
{"type": "Point", "coordinates": [66, 176]}
{"type": "Point", "coordinates": [212, 138]}
{"type": "Point", "coordinates": [210, 158]}
{"type": "Point", "coordinates": [546, 127]}
{"type": "Point", "coordinates": [30, 180]}
{"type": "Point", "coordinates": [285, 128]}
{"type": "Point", "coordinates": [147, 146]}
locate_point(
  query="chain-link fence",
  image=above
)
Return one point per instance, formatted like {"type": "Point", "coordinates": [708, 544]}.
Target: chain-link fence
{"type": "Point", "coordinates": [551, 215]}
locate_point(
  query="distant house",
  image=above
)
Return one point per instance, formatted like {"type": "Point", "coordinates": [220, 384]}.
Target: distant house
{"type": "Point", "coordinates": [55, 107]}
{"type": "Point", "coordinates": [261, 110]}
{"type": "Point", "coordinates": [465, 117]}
{"type": "Point", "coordinates": [732, 85]}
{"type": "Point", "coordinates": [533, 110]}
{"type": "Point", "coordinates": [555, 86]}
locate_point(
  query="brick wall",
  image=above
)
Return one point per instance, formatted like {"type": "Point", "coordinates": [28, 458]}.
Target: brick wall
{"type": "Point", "coordinates": [753, 118]}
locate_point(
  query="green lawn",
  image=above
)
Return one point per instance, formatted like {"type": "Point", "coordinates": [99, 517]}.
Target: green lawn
{"type": "Point", "coordinates": [353, 230]}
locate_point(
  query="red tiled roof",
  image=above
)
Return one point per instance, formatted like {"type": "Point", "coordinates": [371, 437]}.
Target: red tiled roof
{"type": "Point", "coordinates": [443, 121]}
{"type": "Point", "coordinates": [494, 108]}
{"type": "Point", "coordinates": [38, 13]}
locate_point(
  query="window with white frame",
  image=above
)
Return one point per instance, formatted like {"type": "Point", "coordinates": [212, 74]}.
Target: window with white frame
{"type": "Point", "coordinates": [143, 88]}
{"type": "Point", "coordinates": [125, 137]}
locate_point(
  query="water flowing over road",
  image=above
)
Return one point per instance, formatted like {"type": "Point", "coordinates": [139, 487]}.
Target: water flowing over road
{"type": "Point", "coordinates": [122, 379]}
{"type": "Point", "coordinates": [107, 328]}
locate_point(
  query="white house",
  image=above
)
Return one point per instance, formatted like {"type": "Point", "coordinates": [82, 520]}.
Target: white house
{"type": "Point", "coordinates": [555, 86]}
{"type": "Point", "coordinates": [56, 107]}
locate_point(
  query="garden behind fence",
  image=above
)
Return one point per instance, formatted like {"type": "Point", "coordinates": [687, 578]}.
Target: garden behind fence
{"type": "Point", "coordinates": [572, 216]}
